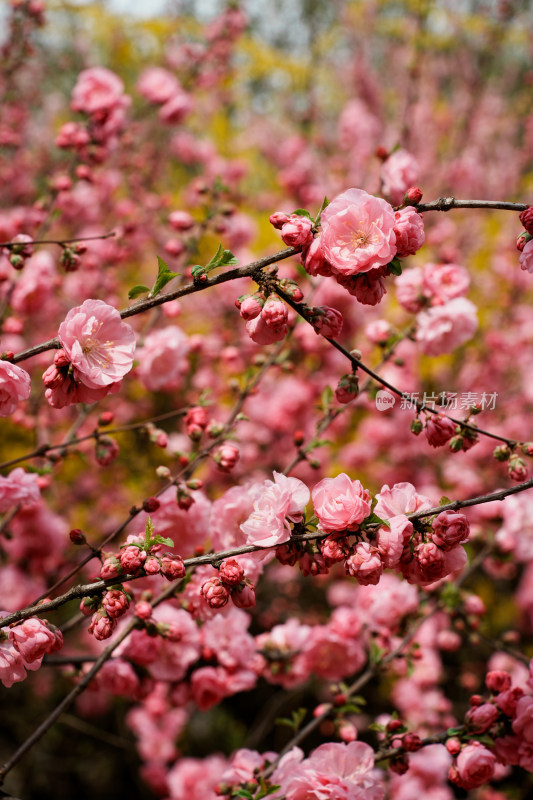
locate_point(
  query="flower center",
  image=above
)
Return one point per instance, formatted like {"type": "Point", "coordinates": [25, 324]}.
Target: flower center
{"type": "Point", "coordinates": [362, 238]}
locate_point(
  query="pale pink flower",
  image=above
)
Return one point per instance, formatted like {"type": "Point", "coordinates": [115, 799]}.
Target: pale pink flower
{"type": "Point", "coordinates": [176, 108]}
{"type": "Point", "coordinates": [262, 333]}
{"type": "Point", "coordinates": [284, 497]}
{"type": "Point", "coordinates": [195, 777]}
{"type": "Point", "coordinates": [378, 331]}
{"type": "Point", "coordinates": [391, 539]}
{"type": "Point", "coordinates": [19, 487]}
{"type": "Point", "coordinates": [365, 564]}
{"type": "Point", "coordinates": [157, 84]}
{"type": "Point", "coordinates": [98, 344]}
{"type": "Point", "coordinates": [340, 771]}
{"type": "Point", "coordinates": [244, 762]}
{"type": "Point", "coordinates": [443, 328]}
{"type": "Point", "coordinates": [444, 282]}
{"type": "Point", "coordinates": [474, 766]}
{"type": "Point", "coordinates": [11, 664]}
{"type": "Point", "coordinates": [409, 230]}
{"type": "Point", "coordinates": [340, 503]}
{"type": "Point", "coordinates": [14, 387]}
{"type": "Point", "coordinates": [409, 291]}
{"type": "Point", "coordinates": [525, 258]}
{"type": "Point", "coordinates": [358, 232]}
{"type": "Point", "coordinates": [98, 90]}
{"type": "Point", "coordinates": [163, 361]}
{"type": "Point", "coordinates": [402, 498]}
{"type": "Point", "coordinates": [33, 638]}
{"type": "Point", "coordinates": [399, 172]}
{"type": "Point", "coordinates": [331, 654]}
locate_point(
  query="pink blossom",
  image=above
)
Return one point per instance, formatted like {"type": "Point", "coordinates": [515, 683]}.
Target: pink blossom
{"type": "Point", "coordinates": [11, 664]}
{"type": "Point", "coordinates": [281, 498]}
{"type": "Point", "coordinates": [274, 313]}
{"type": "Point", "coordinates": [208, 686]}
{"type": "Point", "coordinates": [409, 291]}
{"type": "Point", "coordinates": [215, 593]}
{"type": "Point", "coordinates": [439, 430]}
{"type": "Point", "coordinates": [296, 232]}
{"type": "Point", "coordinates": [163, 361]}
{"type": "Point", "coordinates": [332, 654]}
{"type": "Point", "coordinates": [195, 777]}
{"type": "Point", "coordinates": [340, 503]}
{"type": "Point", "coordinates": [365, 564]}
{"type": "Point", "coordinates": [367, 287]}
{"type": "Point", "coordinates": [450, 529]}
{"type": "Point", "coordinates": [409, 230]}
{"type": "Point", "coordinates": [33, 638]}
{"type": "Point", "coordinates": [157, 84]}
{"type": "Point", "coordinates": [262, 333]}
{"type": "Point", "coordinates": [480, 718]}
{"type": "Point", "coordinates": [498, 681]}
{"type": "Point", "coordinates": [444, 282]}
{"type": "Point", "coordinates": [392, 538]}
{"type": "Point", "coordinates": [525, 258]}
{"type": "Point", "coordinates": [402, 498]}
{"type": "Point", "coordinates": [231, 573]}
{"type": "Point", "coordinates": [327, 321]}
{"type": "Point", "coordinates": [358, 232]}
{"type": "Point", "coordinates": [244, 596]}
{"type": "Point", "coordinates": [98, 90]}
{"type": "Point", "coordinates": [226, 457]}
{"type": "Point", "coordinates": [18, 488]}
{"type": "Point", "coordinates": [398, 173]}
{"type": "Point", "coordinates": [523, 722]}
{"type": "Point", "coordinates": [313, 258]}
{"type": "Point", "coordinates": [132, 558]}
{"type": "Point", "coordinates": [474, 766]}
{"type": "Point", "coordinates": [176, 108]}
{"type": "Point", "coordinates": [14, 387]}
{"type": "Point", "coordinates": [98, 344]}
{"type": "Point", "coordinates": [251, 307]}
{"type": "Point", "coordinates": [378, 331]}
{"type": "Point", "coordinates": [443, 328]}
{"type": "Point", "coordinates": [181, 220]}
{"type": "Point", "coordinates": [339, 771]}
{"type": "Point", "coordinates": [115, 603]}
{"type": "Point", "coordinates": [102, 627]}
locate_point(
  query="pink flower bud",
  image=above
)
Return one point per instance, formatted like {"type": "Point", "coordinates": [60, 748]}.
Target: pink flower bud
{"type": "Point", "coordinates": [347, 388]}
{"type": "Point", "coordinates": [132, 559]}
{"type": "Point", "coordinates": [526, 218]}
{"type": "Point", "coordinates": [106, 450]}
{"type": "Point", "coordinates": [274, 313]}
{"type": "Point", "coordinates": [517, 469]}
{"type": "Point", "coordinates": [474, 767]}
{"type": "Point", "coordinates": [89, 605]}
{"type": "Point", "coordinates": [313, 259]}
{"type": "Point", "coordinates": [231, 573]}
{"type": "Point", "coordinates": [111, 568]}
{"type": "Point", "coordinates": [278, 219]}
{"type": "Point", "coordinates": [151, 566]}
{"type": "Point", "coordinates": [347, 731]}
{"type": "Point", "coordinates": [226, 457]}
{"type": "Point", "coordinates": [413, 196]}
{"type": "Point", "coordinates": [115, 603]}
{"type": "Point", "coordinates": [431, 562]}
{"type": "Point", "coordinates": [450, 529]}
{"type": "Point", "coordinates": [151, 504]}
{"type": "Point", "coordinates": [365, 564]}
{"type": "Point", "coordinates": [143, 610]}
{"type": "Point", "coordinates": [453, 746]}
{"type": "Point", "coordinates": [498, 681]}
{"type": "Point", "coordinates": [334, 549]}
{"type": "Point", "coordinates": [481, 718]}
{"type": "Point", "coordinates": [215, 593]}
{"type": "Point", "coordinates": [411, 742]}
{"type": "Point", "coordinates": [439, 429]}
{"type": "Point", "coordinates": [181, 220]}
{"type": "Point", "coordinates": [172, 567]}
{"type": "Point", "coordinates": [102, 627]}
{"type": "Point", "coordinates": [327, 321]}
{"type": "Point", "coordinates": [196, 421]}
{"type": "Point", "coordinates": [77, 536]}
{"type": "Point", "coordinates": [297, 231]}
{"type": "Point", "coordinates": [251, 307]}
{"type": "Point", "coordinates": [244, 597]}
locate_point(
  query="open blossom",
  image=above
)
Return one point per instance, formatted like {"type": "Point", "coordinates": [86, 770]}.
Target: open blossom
{"type": "Point", "coordinates": [449, 529]}
{"type": "Point", "coordinates": [409, 230]}
{"type": "Point", "coordinates": [358, 232]}
{"type": "Point", "coordinates": [19, 487]}
{"type": "Point", "coordinates": [98, 90]}
{"type": "Point", "coordinates": [282, 498]}
{"type": "Point", "coordinates": [525, 259]}
{"type": "Point", "coordinates": [98, 344]}
{"type": "Point", "coordinates": [14, 387]}
{"type": "Point", "coordinates": [340, 771]}
{"type": "Point", "coordinates": [163, 359]}
{"type": "Point", "coordinates": [474, 767]}
{"type": "Point", "coordinates": [443, 282]}
{"type": "Point", "coordinates": [157, 84]}
{"type": "Point", "coordinates": [443, 328]}
{"type": "Point", "coordinates": [340, 503]}
{"type": "Point", "coordinates": [402, 498]}
{"type": "Point", "coordinates": [12, 666]}
{"type": "Point", "coordinates": [33, 638]}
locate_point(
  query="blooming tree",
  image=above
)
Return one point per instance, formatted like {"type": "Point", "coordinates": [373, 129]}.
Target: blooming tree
{"type": "Point", "coordinates": [246, 508]}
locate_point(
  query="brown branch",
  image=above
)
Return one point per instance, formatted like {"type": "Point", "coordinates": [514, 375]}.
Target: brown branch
{"type": "Point", "coordinates": [59, 242]}
{"type": "Point", "coordinates": [449, 203]}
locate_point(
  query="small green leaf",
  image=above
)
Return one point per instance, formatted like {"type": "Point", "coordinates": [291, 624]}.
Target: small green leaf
{"type": "Point", "coordinates": [222, 258]}
{"type": "Point", "coordinates": [162, 540]}
{"type": "Point", "coordinates": [373, 519]}
{"type": "Point", "coordinates": [135, 291]}
{"type": "Point", "coordinates": [148, 533]}
{"type": "Point", "coordinates": [376, 653]}
{"type": "Point", "coordinates": [163, 277]}
{"type": "Point", "coordinates": [244, 793]}
{"type": "Point", "coordinates": [444, 500]}
{"type": "Point", "coordinates": [325, 204]}
{"type": "Point", "coordinates": [302, 212]}
{"type": "Point", "coordinates": [266, 790]}
{"type": "Point", "coordinates": [395, 267]}
{"type": "Point", "coordinates": [377, 726]}
{"type": "Point", "coordinates": [296, 721]}
{"type": "Point", "coordinates": [314, 443]}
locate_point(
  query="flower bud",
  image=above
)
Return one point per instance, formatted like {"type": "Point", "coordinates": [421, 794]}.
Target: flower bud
{"type": "Point", "coordinates": [412, 196]}
{"type": "Point", "coordinates": [77, 536]}
{"type": "Point", "coordinates": [502, 452]}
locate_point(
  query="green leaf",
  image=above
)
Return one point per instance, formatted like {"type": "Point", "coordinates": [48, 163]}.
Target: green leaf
{"type": "Point", "coordinates": [314, 443]}
{"type": "Point", "coordinates": [302, 212]}
{"type": "Point", "coordinates": [377, 726]}
{"type": "Point", "coordinates": [373, 519]}
{"type": "Point", "coordinates": [135, 291]}
{"type": "Point", "coordinates": [444, 500]}
{"type": "Point", "coordinates": [162, 540]}
{"type": "Point", "coordinates": [244, 793]}
{"type": "Point", "coordinates": [148, 533]}
{"type": "Point", "coordinates": [163, 277]}
{"type": "Point", "coordinates": [376, 653]}
{"type": "Point", "coordinates": [325, 204]}
{"type": "Point", "coordinates": [395, 266]}
{"type": "Point", "coordinates": [222, 258]}
{"type": "Point", "coordinates": [266, 790]}
{"type": "Point", "coordinates": [296, 721]}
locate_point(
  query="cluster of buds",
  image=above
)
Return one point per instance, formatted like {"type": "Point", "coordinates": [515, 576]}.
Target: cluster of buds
{"type": "Point", "coordinates": [326, 321]}
{"type": "Point", "coordinates": [196, 420]}
{"type": "Point", "coordinates": [266, 318]}
{"type": "Point", "coordinates": [296, 229]}
{"type": "Point", "coordinates": [70, 256]}
{"type": "Point", "coordinates": [106, 450]}
{"type": "Point", "coordinates": [156, 435]}
{"type": "Point", "coordinates": [226, 457]}
{"type": "Point", "coordinates": [106, 611]}
{"type": "Point", "coordinates": [516, 466]}
{"type": "Point", "coordinates": [230, 583]}
{"type": "Point", "coordinates": [20, 250]}
{"type": "Point", "coordinates": [347, 388]}
{"type": "Point", "coordinates": [397, 736]}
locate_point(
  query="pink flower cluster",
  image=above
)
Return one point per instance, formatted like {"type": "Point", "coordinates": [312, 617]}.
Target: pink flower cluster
{"type": "Point", "coordinates": [282, 500]}
{"type": "Point", "coordinates": [97, 352]}
{"type": "Point", "coordinates": [24, 648]}
{"type": "Point", "coordinates": [162, 88]}
{"type": "Point", "coordinates": [266, 320]}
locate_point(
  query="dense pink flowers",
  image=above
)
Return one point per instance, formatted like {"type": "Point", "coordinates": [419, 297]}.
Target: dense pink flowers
{"type": "Point", "coordinates": [340, 503]}
{"type": "Point", "coordinates": [358, 232]}
{"type": "Point", "coordinates": [19, 487]}
{"type": "Point", "coordinates": [443, 328]}
{"type": "Point", "coordinates": [98, 90]}
{"type": "Point", "coordinates": [14, 387]}
{"type": "Point", "coordinates": [97, 343]}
